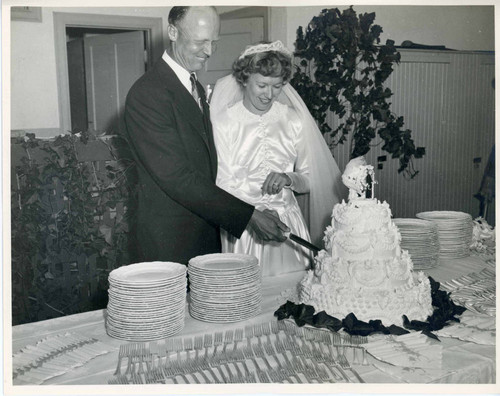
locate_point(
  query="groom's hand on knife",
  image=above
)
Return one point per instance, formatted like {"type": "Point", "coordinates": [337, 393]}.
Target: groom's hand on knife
{"type": "Point", "coordinates": [267, 226]}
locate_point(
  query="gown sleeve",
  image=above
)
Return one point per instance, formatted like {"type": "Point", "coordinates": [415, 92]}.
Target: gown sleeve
{"type": "Point", "coordinates": [300, 175]}
{"type": "Point", "coordinates": [224, 144]}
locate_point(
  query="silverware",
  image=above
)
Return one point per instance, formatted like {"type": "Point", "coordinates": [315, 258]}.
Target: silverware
{"type": "Point", "coordinates": [121, 353]}
{"type": "Point", "coordinates": [345, 365]}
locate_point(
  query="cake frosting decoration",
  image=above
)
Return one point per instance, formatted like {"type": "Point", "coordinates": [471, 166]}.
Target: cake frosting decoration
{"type": "Point", "coordinates": [363, 269]}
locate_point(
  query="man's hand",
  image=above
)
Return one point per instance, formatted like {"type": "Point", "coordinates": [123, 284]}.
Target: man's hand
{"type": "Point", "coordinates": [267, 226]}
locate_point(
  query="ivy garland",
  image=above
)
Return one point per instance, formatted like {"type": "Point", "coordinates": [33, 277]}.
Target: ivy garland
{"type": "Point", "coordinates": [342, 69]}
{"type": "Point", "coordinates": [44, 230]}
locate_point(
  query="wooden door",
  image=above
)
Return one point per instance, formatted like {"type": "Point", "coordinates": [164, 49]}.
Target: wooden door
{"type": "Point", "coordinates": [113, 62]}
{"type": "Point", "coordinates": [77, 85]}
{"type": "Point", "coordinates": [235, 35]}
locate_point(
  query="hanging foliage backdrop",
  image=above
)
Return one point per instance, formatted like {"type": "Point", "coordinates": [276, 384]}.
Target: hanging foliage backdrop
{"type": "Point", "coordinates": [342, 69]}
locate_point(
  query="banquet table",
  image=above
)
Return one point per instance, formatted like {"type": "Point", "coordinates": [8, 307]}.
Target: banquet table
{"type": "Point", "coordinates": [462, 361]}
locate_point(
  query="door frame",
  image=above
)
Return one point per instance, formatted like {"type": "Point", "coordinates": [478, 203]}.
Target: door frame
{"type": "Point", "coordinates": [154, 40]}
{"type": "Point", "coordinates": [250, 12]}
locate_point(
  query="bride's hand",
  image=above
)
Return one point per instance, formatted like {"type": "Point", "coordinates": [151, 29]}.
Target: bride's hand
{"type": "Point", "coordinates": [275, 182]}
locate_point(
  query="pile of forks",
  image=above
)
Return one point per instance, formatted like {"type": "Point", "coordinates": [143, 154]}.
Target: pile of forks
{"type": "Point", "coordinates": [52, 356]}
{"type": "Point", "coordinates": [275, 352]}
{"type": "Point", "coordinates": [476, 291]}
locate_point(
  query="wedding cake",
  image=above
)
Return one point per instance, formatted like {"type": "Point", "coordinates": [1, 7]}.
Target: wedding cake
{"type": "Point", "coordinates": [363, 269]}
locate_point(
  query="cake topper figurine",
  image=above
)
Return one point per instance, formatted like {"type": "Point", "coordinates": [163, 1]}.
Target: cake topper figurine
{"type": "Point", "coordinates": [359, 177]}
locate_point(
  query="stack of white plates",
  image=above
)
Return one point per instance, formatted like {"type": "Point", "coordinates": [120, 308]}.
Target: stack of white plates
{"type": "Point", "coordinates": [420, 238]}
{"type": "Point", "coordinates": [146, 301]}
{"type": "Point", "coordinates": [224, 287]}
{"type": "Point", "coordinates": [454, 230]}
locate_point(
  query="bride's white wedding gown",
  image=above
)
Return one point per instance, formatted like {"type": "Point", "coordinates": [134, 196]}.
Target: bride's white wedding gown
{"type": "Point", "coordinates": [249, 147]}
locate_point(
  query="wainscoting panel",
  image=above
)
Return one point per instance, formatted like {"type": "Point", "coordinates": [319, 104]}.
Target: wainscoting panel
{"type": "Point", "coordinates": [447, 101]}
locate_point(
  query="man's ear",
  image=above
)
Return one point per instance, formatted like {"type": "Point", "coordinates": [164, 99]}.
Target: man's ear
{"type": "Point", "coordinates": [173, 32]}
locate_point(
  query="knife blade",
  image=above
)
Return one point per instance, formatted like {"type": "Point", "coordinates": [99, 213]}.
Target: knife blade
{"type": "Point", "coordinates": [304, 243]}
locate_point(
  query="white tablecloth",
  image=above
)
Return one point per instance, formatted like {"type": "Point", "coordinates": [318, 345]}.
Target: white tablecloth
{"type": "Point", "coordinates": [463, 362]}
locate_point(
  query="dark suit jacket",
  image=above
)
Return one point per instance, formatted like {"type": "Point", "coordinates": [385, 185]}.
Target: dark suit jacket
{"type": "Point", "coordinates": [180, 209]}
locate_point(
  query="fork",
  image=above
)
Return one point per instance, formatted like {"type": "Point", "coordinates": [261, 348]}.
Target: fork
{"type": "Point", "coordinates": [268, 347]}
{"type": "Point", "coordinates": [249, 375]}
{"type": "Point", "coordinates": [283, 371]}
{"type": "Point", "coordinates": [217, 341]}
{"type": "Point", "coordinates": [188, 344]}
{"type": "Point", "coordinates": [291, 346]}
{"type": "Point", "coordinates": [275, 376]}
{"type": "Point", "coordinates": [336, 364]}
{"type": "Point", "coordinates": [281, 325]}
{"type": "Point", "coordinates": [278, 344]}
{"type": "Point", "coordinates": [207, 343]}
{"type": "Point", "coordinates": [198, 346]}
{"type": "Point", "coordinates": [309, 370]}
{"type": "Point", "coordinates": [136, 378]}
{"type": "Point", "coordinates": [190, 366]}
{"type": "Point", "coordinates": [299, 368]}
{"type": "Point", "coordinates": [162, 353]}
{"type": "Point", "coordinates": [266, 330]}
{"type": "Point", "coordinates": [228, 338]}
{"type": "Point", "coordinates": [237, 356]}
{"type": "Point", "coordinates": [317, 352]}
{"type": "Point", "coordinates": [259, 352]}
{"type": "Point", "coordinates": [306, 349]}
{"type": "Point", "coordinates": [263, 377]}
{"type": "Point", "coordinates": [248, 332]}
{"type": "Point", "coordinates": [179, 368]}
{"type": "Point", "coordinates": [323, 374]}
{"type": "Point", "coordinates": [124, 351]}
{"type": "Point", "coordinates": [257, 329]}
{"type": "Point", "coordinates": [275, 327]}
{"type": "Point", "coordinates": [345, 365]}
{"type": "Point", "coordinates": [197, 364]}
{"type": "Point", "coordinates": [238, 337]}
{"type": "Point", "coordinates": [154, 350]}
{"type": "Point", "coordinates": [292, 369]}
{"type": "Point", "coordinates": [168, 372]}
{"type": "Point", "coordinates": [178, 347]}
{"type": "Point", "coordinates": [133, 353]}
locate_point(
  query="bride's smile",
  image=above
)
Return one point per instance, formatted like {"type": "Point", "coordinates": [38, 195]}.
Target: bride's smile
{"type": "Point", "coordinates": [260, 92]}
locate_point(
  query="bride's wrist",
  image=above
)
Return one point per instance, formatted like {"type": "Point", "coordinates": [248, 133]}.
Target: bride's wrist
{"type": "Point", "coordinates": [289, 181]}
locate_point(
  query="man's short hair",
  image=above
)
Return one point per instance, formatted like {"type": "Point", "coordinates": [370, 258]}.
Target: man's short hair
{"type": "Point", "coordinates": [176, 15]}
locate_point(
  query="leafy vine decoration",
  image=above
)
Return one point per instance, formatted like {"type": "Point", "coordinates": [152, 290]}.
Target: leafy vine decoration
{"type": "Point", "coordinates": [57, 206]}
{"type": "Point", "coordinates": [342, 69]}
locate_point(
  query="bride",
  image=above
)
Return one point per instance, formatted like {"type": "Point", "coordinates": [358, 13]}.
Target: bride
{"type": "Point", "coordinates": [270, 150]}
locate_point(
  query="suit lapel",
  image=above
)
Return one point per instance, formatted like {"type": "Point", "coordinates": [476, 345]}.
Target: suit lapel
{"type": "Point", "coordinates": [208, 128]}
{"type": "Point", "coordinates": [190, 110]}
{"type": "Point", "coordinates": [183, 100]}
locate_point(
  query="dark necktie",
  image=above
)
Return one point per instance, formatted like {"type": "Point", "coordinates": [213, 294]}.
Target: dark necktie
{"type": "Point", "coordinates": [194, 91]}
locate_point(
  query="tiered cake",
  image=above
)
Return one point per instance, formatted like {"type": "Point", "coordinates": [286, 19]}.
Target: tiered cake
{"type": "Point", "coordinates": [363, 269]}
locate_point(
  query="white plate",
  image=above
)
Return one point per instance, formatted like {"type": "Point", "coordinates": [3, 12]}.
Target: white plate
{"type": "Point", "coordinates": [149, 273]}
{"type": "Point", "coordinates": [224, 262]}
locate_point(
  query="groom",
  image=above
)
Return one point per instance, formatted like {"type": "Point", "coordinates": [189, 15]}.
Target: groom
{"type": "Point", "coordinates": [167, 125]}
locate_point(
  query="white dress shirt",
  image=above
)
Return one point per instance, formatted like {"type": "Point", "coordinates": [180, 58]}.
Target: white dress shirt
{"type": "Point", "coordinates": [180, 72]}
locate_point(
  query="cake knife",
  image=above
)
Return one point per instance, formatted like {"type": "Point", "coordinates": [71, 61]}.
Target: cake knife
{"type": "Point", "coordinates": [303, 242]}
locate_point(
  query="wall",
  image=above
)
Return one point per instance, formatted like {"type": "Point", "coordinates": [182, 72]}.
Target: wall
{"type": "Point", "coordinates": [34, 102]}
{"type": "Point", "coordinates": [456, 27]}
{"type": "Point", "coordinates": [455, 122]}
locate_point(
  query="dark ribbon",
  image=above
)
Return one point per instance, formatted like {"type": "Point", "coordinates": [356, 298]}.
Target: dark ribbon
{"type": "Point", "coordinates": [445, 311]}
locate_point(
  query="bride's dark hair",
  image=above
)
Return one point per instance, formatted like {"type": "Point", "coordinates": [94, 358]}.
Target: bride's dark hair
{"type": "Point", "coordinates": [269, 63]}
